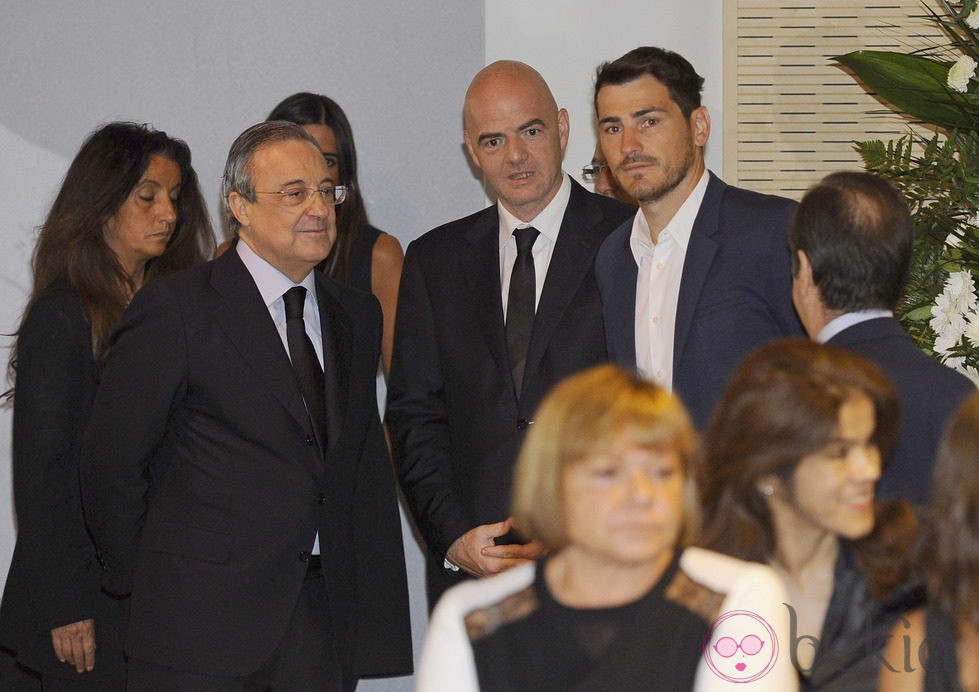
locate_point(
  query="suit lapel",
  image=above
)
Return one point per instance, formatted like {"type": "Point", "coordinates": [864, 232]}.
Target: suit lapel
{"type": "Point", "coordinates": [246, 320]}
{"type": "Point", "coordinates": [571, 261]}
{"type": "Point", "coordinates": [481, 269]}
{"type": "Point", "coordinates": [337, 356]}
{"type": "Point", "coordinates": [696, 264]}
{"type": "Point", "coordinates": [620, 311]}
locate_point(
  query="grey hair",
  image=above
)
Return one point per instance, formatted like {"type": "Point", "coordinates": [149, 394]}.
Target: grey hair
{"type": "Point", "coordinates": [238, 169]}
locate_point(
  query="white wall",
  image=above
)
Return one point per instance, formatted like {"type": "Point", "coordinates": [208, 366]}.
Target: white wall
{"type": "Point", "coordinates": [205, 71]}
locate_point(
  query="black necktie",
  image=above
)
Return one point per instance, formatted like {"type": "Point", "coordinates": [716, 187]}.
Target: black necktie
{"type": "Point", "coordinates": [304, 361]}
{"type": "Point", "coordinates": [520, 304]}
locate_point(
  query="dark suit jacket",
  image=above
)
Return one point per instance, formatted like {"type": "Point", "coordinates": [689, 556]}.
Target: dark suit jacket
{"type": "Point", "coordinates": [54, 578]}
{"type": "Point", "coordinates": [452, 409]}
{"type": "Point", "coordinates": [204, 486]}
{"type": "Point", "coordinates": [735, 292]}
{"type": "Point", "coordinates": [929, 393]}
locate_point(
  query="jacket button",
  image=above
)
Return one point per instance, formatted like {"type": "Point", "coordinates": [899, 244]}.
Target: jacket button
{"type": "Point", "coordinates": [523, 424]}
{"type": "Point", "coordinates": [321, 499]}
{"type": "Point", "coordinates": [304, 556]}
{"type": "Point", "coordinates": [310, 441]}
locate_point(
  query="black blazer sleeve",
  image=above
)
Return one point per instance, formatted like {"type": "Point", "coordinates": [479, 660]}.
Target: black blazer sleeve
{"type": "Point", "coordinates": [115, 466]}
{"type": "Point", "coordinates": [418, 417]}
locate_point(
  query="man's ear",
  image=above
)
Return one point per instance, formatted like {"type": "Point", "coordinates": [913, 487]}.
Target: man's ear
{"type": "Point", "coordinates": [238, 206]}
{"type": "Point", "coordinates": [803, 272]}
{"type": "Point", "coordinates": [563, 128]}
{"type": "Point", "coordinates": [700, 126]}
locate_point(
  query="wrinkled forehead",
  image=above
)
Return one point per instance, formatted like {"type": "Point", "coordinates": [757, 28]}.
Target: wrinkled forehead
{"type": "Point", "coordinates": [290, 161]}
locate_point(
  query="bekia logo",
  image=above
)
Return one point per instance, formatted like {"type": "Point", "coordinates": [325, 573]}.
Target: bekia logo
{"type": "Point", "coordinates": [740, 646]}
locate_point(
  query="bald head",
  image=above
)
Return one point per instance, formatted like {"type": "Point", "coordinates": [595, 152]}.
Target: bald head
{"type": "Point", "coordinates": [516, 135]}
{"type": "Point", "coordinates": [505, 76]}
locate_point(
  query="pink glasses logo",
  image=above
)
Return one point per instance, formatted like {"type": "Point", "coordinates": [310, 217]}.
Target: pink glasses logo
{"type": "Point", "coordinates": [740, 646]}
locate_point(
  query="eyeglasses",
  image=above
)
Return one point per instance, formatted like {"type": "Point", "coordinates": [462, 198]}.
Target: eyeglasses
{"type": "Point", "coordinates": [296, 196]}
{"type": "Point", "coordinates": [750, 644]}
{"type": "Point", "coordinates": [591, 172]}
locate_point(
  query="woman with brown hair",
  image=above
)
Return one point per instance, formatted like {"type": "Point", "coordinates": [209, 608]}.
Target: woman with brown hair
{"type": "Point", "coordinates": [937, 648]}
{"type": "Point", "coordinates": [603, 482]}
{"type": "Point", "coordinates": [129, 210]}
{"type": "Point", "coordinates": [790, 462]}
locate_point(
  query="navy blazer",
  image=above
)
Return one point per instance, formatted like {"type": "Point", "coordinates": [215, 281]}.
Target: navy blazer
{"type": "Point", "coordinates": [455, 419]}
{"type": "Point", "coordinates": [929, 393]}
{"type": "Point", "coordinates": [204, 485]}
{"type": "Point", "coordinates": [735, 292]}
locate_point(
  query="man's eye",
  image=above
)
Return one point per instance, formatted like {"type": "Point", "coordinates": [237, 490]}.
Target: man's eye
{"type": "Point", "coordinates": [331, 161]}
{"type": "Point", "coordinates": [293, 194]}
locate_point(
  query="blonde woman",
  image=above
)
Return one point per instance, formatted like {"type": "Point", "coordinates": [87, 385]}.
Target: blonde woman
{"type": "Point", "coordinates": [604, 483]}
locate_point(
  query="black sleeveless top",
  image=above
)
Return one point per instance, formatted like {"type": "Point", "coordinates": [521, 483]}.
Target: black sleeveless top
{"type": "Point", "coordinates": [361, 254]}
{"type": "Point", "coordinates": [942, 671]}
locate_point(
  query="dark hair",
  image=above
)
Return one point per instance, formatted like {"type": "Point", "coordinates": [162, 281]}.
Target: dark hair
{"type": "Point", "coordinates": [781, 404]}
{"type": "Point", "coordinates": [237, 175]}
{"type": "Point", "coordinates": [856, 231]}
{"type": "Point", "coordinates": [314, 109]}
{"type": "Point", "coordinates": [667, 67]}
{"type": "Point", "coordinates": [101, 177]}
{"type": "Point", "coordinates": [951, 546]}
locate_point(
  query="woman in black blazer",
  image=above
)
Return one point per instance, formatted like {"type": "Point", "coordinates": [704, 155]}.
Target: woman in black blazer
{"type": "Point", "coordinates": [129, 210]}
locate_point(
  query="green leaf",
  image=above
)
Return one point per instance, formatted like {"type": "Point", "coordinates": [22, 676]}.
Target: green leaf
{"type": "Point", "coordinates": [915, 85]}
{"type": "Point", "coordinates": [918, 314]}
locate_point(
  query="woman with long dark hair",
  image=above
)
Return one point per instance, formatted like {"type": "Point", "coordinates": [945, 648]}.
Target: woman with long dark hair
{"type": "Point", "coordinates": [791, 459]}
{"type": "Point", "coordinates": [362, 255]}
{"type": "Point", "coordinates": [129, 210]}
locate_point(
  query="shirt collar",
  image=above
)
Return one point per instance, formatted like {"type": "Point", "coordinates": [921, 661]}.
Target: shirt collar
{"type": "Point", "coordinates": [270, 281]}
{"type": "Point", "coordinates": [678, 229]}
{"type": "Point", "coordinates": [847, 320]}
{"type": "Point", "coordinates": [547, 222]}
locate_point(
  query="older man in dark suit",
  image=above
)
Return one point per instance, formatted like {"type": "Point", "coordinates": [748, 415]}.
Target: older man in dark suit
{"type": "Point", "coordinates": [493, 310]}
{"type": "Point", "coordinates": [700, 276]}
{"type": "Point", "coordinates": [851, 240]}
{"type": "Point", "coordinates": [234, 472]}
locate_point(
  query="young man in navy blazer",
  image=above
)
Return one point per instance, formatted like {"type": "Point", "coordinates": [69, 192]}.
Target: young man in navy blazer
{"type": "Point", "coordinates": [700, 276]}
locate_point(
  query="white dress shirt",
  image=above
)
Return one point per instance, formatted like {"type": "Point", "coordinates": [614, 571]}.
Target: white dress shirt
{"type": "Point", "coordinates": [847, 320]}
{"type": "Point", "coordinates": [272, 284]}
{"type": "Point", "coordinates": [548, 223]}
{"type": "Point", "coordinates": [658, 286]}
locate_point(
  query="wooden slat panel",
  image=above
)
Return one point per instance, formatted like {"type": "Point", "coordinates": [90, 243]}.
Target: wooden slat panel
{"type": "Point", "coordinates": [790, 115]}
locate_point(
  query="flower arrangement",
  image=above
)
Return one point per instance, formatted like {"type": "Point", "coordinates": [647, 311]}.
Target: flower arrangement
{"type": "Point", "coordinates": [938, 172]}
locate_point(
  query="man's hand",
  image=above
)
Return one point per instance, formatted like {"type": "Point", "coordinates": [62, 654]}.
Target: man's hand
{"type": "Point", "coordinates": [75, 644]}
{"type": "Point", "coordinates": [475, 551]}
